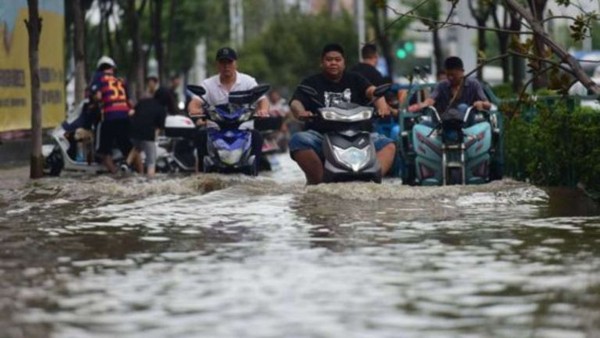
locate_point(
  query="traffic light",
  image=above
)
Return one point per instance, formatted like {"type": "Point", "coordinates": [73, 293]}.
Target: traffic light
{"type": "Point", "coordinates": [404, 49]}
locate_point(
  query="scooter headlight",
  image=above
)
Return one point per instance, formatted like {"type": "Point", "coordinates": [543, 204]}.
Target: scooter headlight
{"type": "Point", "coordinates": [331, 115]}
{"type": "Point", "coordinates": [230, 157]}
{"type": "Point", "coordinates": [353, 157]}
{"type": "Point", "coordinates": [246, 116]}
{"type": "Point", "coordinates": [214, 115]}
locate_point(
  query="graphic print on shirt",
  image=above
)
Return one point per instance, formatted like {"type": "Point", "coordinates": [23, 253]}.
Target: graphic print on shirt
{"type": "Point", "coordinates": [333, 99]}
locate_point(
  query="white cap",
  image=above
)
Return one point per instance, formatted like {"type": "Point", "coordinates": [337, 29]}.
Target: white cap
{"type": "Point", "coordinates": [105, 60]}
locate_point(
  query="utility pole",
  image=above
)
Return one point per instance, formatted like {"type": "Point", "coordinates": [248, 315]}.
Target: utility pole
{"type": "Point", "coordinates": [236, 23]}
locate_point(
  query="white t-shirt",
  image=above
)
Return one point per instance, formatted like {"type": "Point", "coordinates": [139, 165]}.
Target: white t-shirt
{"type": "Point", "coordinates": [217, 93]}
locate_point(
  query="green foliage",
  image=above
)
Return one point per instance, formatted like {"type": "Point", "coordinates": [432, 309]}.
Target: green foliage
{"type": "Point", "coordinates": [194, 20]}
{"type": "Point", "coordinates": [503, 91]}
{"type": "Point", "coordinates": [558, 146]}
{"type": "Point", "coordinates": [289, 49]}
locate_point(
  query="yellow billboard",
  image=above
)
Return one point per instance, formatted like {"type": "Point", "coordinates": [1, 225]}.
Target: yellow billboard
{"type": "Point", "coordinates": [15, 83]}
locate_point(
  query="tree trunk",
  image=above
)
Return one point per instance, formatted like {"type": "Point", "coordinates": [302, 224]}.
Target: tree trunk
{"type": "Point", "coordinates": [170, 37]}
{"type": "Point", "coordinates": [79, 50]}
{"type": "Point", "coordinates": [381, 37]}
{"type": "Point", "coordinates": [518, 63]}
{"type": "Point", "coordinates": [480, 13]}
{"type": "Point", "coordinates": [539, 80]}
{"type": "Point", "coordinates": [157, 38]}
{"type": "Point", "coordinates": [34, 28]}
{"type": "Point", "coordinates": [503, 39]}
{"type": "Point", "coordinates": [137, 62]}
{"type": "Point", "coordinates": [505, 61]}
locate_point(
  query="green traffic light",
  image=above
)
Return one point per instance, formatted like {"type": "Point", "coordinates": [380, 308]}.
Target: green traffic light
{"type": "Point", "coordinates": [409, 46]}
{"type": "Point", "coordinates": [401, 54]}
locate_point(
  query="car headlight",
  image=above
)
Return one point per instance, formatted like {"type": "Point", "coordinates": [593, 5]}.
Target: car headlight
{"type": "Point", "coordinates": [353, 157]}
{"type": "Point", "coordinates": [332, 115]}
{"type": "Point", "coordinates": [230, 157]}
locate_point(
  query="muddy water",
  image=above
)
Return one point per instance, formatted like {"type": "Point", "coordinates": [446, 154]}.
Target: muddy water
{"type": "Point", "coordinates": [229, 256]}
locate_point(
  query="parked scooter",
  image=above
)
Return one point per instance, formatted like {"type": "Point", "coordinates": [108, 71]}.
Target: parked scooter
{"type": "Point", "coordinates": [74, 152]}
{"type": "Point", "coordinates": [349, 151]}
{"type": "Point", "coordinates": [229, 136]}
{"type": "Point", "coordinates": [178, 144]}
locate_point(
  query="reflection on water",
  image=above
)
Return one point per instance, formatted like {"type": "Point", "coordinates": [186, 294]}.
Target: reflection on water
{"type": "Point", "coordinates": [230, 256]}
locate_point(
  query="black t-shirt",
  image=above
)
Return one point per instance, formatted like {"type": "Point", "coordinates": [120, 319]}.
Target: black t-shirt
{"type": "Point", "coordinates": [352, 87]}
{"type": "Point", "coordinates": [370, 73]}
{"type": "Point", "coordinates": [149, 116]}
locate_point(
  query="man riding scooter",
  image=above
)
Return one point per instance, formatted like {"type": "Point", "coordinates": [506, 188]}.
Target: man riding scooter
{"type": "Point", "coordinates": [333, 82]}
{"type": "Point", "coordinates": [456, 91]}
{"type": "Point", "coordinates": [217, 89]}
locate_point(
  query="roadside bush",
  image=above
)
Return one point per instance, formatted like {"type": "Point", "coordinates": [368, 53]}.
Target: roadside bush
{"type": "Point", "coordinates": [551, 145]}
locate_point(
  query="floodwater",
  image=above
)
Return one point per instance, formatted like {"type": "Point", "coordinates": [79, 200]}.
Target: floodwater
{"type": "Point", "coordinates": [231, 256]}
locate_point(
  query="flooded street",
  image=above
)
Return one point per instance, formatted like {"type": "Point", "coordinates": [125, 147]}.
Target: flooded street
{"type": "Point", "coordinates": [232, 256]}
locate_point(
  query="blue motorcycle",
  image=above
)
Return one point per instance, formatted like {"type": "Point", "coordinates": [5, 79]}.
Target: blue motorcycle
{"type": "Point", "coordinates": [229, 132]}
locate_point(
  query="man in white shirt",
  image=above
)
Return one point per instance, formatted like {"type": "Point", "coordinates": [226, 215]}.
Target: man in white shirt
{"type": "Point", "coordinates": [217, 89]}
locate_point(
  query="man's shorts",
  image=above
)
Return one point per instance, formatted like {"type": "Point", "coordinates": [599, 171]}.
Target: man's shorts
{"type": "Point", "coordinates": [149, 150]}
{"type": "Point", "coordinates": [113, 133]}
{"type": "Point", "coordinates": [311, 139]}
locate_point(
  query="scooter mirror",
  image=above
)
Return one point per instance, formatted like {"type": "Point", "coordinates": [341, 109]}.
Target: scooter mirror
{"type": "Point", "coordinates": [310, 91]}
{"type": "Point", "coordinates": [381, 90]}
{"type": "Point", "coordinates": [416, 70]}
{"type": "Point", "coordinates": [198, 90]}
{"type": "Point", "coordinates": [260, 90]}
{"type": "Point", "coordinates": [426, 69]}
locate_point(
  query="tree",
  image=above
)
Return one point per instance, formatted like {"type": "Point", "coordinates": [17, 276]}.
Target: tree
{"type": "Point", "coordinates": [430, 13]}
{"type": "Point", "coordinates": [136, 72]}
{"type": "Point", "coordinates": [379, 22]}
{"type": "Point", "coordinates": [544, 55]}
{"type": "Point", "coordinates": [543, 39]}
{"type": "Point", "coordinates": [290, 47]}
{"type": "Point", "coordinates": [541, 79]}
{"type": "Point", "coordinates": [34, 28]}
{"type": "Point", "coordinates": [505, 28]}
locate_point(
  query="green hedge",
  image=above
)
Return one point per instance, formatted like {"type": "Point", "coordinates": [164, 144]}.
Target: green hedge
{"type": "Point", "coordinates": [550, 145]}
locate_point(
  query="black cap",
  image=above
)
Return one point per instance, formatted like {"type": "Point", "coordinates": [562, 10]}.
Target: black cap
{"type": "Point", "coordinates": [226, 53]}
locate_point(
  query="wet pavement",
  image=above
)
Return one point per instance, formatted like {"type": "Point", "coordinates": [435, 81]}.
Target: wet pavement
{"type": "Point", "coordinates": [232, 256]}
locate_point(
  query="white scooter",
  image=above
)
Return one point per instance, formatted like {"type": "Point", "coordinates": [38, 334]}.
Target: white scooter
{"type": "Point", "coordinates": [67, 152]}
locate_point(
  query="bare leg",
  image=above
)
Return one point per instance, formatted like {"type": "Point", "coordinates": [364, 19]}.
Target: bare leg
{"type": "Point", "coordinates": [311, 164]}
{"type": "Point", "coordinates": [386, 158]}
{"type": "Point", "coordinates": [109, 164]}
{"type": "Point", "coordinates": [134, 159]}
{"type": "Point", "coordinates": [151, 171]}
